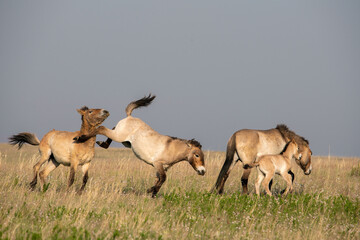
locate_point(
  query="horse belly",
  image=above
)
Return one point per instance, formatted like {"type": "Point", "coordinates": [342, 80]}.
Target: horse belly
{"type": "Point", "coordinates": [142, 156]}
{"type": "Point", "coordinates": [63, 159]}
{"type": "Point", "coordinates": [279, 164]}
{"type": "Point", "coordinates": [147, 146]}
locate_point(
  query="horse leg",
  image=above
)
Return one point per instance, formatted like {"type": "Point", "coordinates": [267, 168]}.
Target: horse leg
{"type": "Point", "coordinates": [258, 182]}
{"type": "Point", "coordinates": [222, 183]}
{"type": "Point", "coordinates": [287, 178]}
{"type": "Point", "coordinates": [73, 167]}
{"type": "Point", "coordinates": [112, 134]}
{"type": "Point", "coordinates": [292, 180]}
{"type": "Point", "coordinates": [292, 176]}
{"type": "Point", "coordinates": [45, 155]}
{"type": "Point", "coordinates": [50, 166]}
{"type": "Point", "coordinates": [244, 180]}
{"type": "Point", "coordinates": [270, 184]}
{"type": "Point", "coordinates": [266, 181]}
{"type": "Point", "coordinates": [227, 166]}
{"type": "Point", "coordinates": [85, 169]}
{"type": "Point", "coordinates": [105, 144]}
{"type": "Point", "coordinates": [161, 176]}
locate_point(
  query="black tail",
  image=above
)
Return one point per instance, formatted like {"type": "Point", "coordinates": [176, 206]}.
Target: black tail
{"type": "Point", "coordinates": [230, 151]}
{"type": "Point", "coordinates": [143, 102]}
{"type": "Point", "coordinates": [25, 137]}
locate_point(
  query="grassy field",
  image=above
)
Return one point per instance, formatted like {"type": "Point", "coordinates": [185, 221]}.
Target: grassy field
{"type": "Point", "coordinates": [325, 204]}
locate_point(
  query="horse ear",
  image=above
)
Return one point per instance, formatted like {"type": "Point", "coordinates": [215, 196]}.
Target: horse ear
{"type": "Point", "coordinates": [188, 144]}
{"type": "Point", "coordinates": [82, 110]}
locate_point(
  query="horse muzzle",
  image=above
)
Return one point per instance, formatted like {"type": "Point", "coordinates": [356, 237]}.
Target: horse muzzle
{"type": "Point", "coordinates": [201, 170]}
{"type": "Point", "coordinates": [308, 171]}
{"type": "Point", "coordinates": [105, 113]}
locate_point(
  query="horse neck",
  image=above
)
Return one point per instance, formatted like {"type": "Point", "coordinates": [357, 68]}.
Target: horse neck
{"type": "Point", "coordinates": [86, 129]}
{"type": "Point", "coordinates": [182, 151]}
{"type": "Point", "coordinates": [289, 153]}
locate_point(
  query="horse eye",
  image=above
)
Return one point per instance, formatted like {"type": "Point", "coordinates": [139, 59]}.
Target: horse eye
{"type": "Point", "coordinates": [90, 111]}
{"type": "Point", "coordinates": [196, 155]}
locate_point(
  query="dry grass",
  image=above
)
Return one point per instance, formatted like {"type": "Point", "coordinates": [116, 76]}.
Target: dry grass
{"type": "Point", "coordinates": [325, 205]}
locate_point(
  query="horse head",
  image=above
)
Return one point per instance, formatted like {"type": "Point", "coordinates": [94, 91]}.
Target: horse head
{"type": "Point", "coordinates": [292, 149]}
{"type": "Point", "coordinates": [196, 157]}
{"type": "Point", "coordinates": [93, 117]}
{"type": "Point", "coordinates": [305, 161]}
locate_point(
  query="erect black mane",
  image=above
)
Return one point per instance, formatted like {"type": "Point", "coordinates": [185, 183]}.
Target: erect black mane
{"type": "Point", "coordinates": [287, 133]}
{"type": "Point", "coordinates": [191, 141]}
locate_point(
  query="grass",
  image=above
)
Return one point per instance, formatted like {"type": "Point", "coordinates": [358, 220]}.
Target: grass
{"type": "Point", "coordinates": [325, 204]}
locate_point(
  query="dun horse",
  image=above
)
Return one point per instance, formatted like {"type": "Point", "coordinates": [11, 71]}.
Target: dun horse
{"type": "Point", "coordinates": [157, 150]}
{"type": "Point", "coordinates": [247, 145]}
{"type": "Point", "coordinates": [58, 147]}
{"type": "Point", "coordinates": [269, 165]}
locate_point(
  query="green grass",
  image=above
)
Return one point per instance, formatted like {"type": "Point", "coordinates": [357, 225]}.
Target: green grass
{"type": "Point", "coordinates": [115, 205]}
{"type": "Point", "coordinates": [192, 215]}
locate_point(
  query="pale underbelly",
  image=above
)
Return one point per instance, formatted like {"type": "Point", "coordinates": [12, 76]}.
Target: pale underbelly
{"type": "Point", "coordinates": [66, 161]}
{"type": "Point", "coordinates": [143, 156]}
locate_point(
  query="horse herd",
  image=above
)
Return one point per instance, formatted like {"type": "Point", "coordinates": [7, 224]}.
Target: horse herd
{"type": "Point", "coordinates": [270, 151]}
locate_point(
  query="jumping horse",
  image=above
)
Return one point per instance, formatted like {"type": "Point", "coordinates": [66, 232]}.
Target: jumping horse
{"type": "Point", "coordinates": [247, 145]}
{"type": "Point", "coordinates": [58, 147]}
{"type": "Point", "coordinates": [159, 151]}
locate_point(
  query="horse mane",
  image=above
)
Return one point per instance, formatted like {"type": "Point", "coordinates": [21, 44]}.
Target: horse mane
{"type": "Point", "coordinates": [288, 134]}
{"type": "Point", "coordinates": [191, 141]}
{"type": "Point", "coordinates": [285, 148]}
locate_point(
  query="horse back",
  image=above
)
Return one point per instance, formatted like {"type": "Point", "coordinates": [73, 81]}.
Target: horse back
{"type": "Point", "coordinates": [128, 127]}
{"type": "Point", "coordinates": [250, 144]}
{"type": "Point", "coordinates": [63, 148]}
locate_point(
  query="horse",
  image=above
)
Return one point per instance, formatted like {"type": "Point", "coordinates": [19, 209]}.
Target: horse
{"type": "Point", "coordinates": [247, 145]}
{"type": "Point", "coordinates": [159, 151]}
{"type": "Point", "coordinates": [58, 147]}
{"type": "Point", "coordinates": [269, 165]}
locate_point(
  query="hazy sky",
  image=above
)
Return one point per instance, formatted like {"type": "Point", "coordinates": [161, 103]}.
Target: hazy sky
{"type": "Point", "coordinates": [215, 66]}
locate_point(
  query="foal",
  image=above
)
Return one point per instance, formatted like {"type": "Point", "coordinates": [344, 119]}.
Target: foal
{"type": "Point", "coordinates": [58, 147]}
{"type": "Point", "coordinates": [268, 165]}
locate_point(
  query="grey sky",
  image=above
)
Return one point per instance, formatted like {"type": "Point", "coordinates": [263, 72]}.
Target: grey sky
{"type": "Point", "coordinates": [215, 66]}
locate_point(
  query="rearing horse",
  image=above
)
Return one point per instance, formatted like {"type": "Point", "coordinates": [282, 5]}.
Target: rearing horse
{"type": "Point", "coordinates": [58, 147]}
{"type": "Point", "coordinates": [157, 150]}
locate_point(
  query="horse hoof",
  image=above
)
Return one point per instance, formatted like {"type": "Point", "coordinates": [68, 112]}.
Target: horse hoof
{"type": "Point", "coordinates": [80, 192]}
{"type": "Point", "coordinates": [32, 186]}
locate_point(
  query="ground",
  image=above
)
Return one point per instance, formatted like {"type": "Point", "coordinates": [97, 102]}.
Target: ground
{"type": "Point", "coordinates": [115, 205]}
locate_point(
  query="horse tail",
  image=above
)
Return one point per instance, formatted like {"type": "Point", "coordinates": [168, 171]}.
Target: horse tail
{"type": "Point", "coordinates": [230, 151]}
{"type": "Point", "coordinates": [143, 102]}
{"type": "Point", "coordinates": [24, 137]}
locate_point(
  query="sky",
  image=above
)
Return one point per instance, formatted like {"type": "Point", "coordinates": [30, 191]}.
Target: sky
{"type": "Point", "coordinates": [215, 67]}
